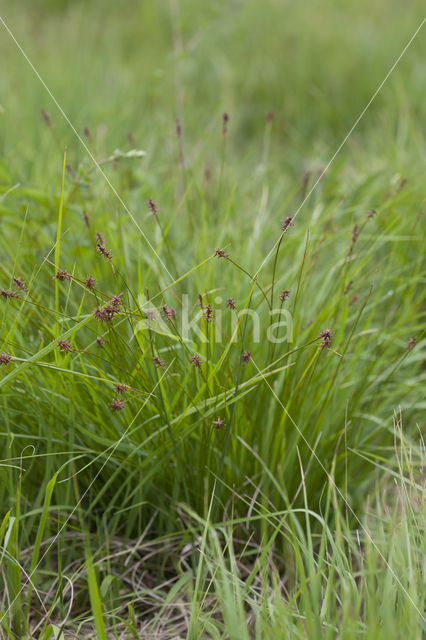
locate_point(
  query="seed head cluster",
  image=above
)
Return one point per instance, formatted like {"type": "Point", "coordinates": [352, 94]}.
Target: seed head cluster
{"type": "Point", "coordinates": [101, 248]}
{"type": "Point", "coordinates": [117, 404]}
{"type": "Point", "coordinates": [230, 303]}
{"type": "Point", "coordinates": [218, 423]}
{"type": "Point", "coordinates": [5, 358]}
{"type": "Point", "coordinates": [169, 313]}
{"type": "Point", "coordinates": [151, 314]}
{"type": "Point", "coordinates": [62, 274]}
{"type": "Point", "coordinates": [196, 361]}
{"type": "Point", "coordinates": [326, 338]}
{"type": "Point", "coordinates": [246, 357]}
{"type": "Point", "coordinates": [220, 253]}
{"type": "Point", "coordinates": [208, 313]}
{"type": "Point", "coordinates": [107, 313]}
{"type": "Point", "coordinates": [90, 282]}
{"type": "Point", "coordinates": [284, 295]}
{"type": "Point", "coordinates": [18, 282]}
{"type": "Point", "coordinates": [288, 222]}
{"type": "Point", "coordinates": [159, 363]}
{"type": "Point", "coordinates": [411, 343]}
{"type": "Point", "coordinates": [65, 346]}
{"type": "Point", "coordinates": [8, 293]}
{"type": "Point", "coordinates": [355, 233]}
{"type": "Point", "coordinates": [153, 207]}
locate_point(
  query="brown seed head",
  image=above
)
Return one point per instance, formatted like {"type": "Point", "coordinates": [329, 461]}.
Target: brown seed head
{"type": "Point", "coordinates": [90, 282]}
{"type": "Point", "coordinates": [218, 423]}
{"type": "Point", "coordinates": [65, 346]}
{"type": "Point", "coordinates": [117, 404]}
{"type": "Point", "coordinates": [62, 274]}
{"type": "Point", "coordinates": [411, 343]}
{"type": "Point", "coordinates": [19, 283]}
{"type": "Point", "coordinates": [159, 363]}
{"type": "Point", "coordinates": [326, 338]}
{"type": "Point", "coordinates": [220, 253]}
{"type": "Point", "coordinates": [152, 204]}
{"type": "Point", "coordinates": [288, 222]}
{"type": "Point", "coordinates": [196, 361]}
{"type": "Point", "coordinates": [8, 293]}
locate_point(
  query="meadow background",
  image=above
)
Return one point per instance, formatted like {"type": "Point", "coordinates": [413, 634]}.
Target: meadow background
{"type": "Point", "coordinates": [132, 512]}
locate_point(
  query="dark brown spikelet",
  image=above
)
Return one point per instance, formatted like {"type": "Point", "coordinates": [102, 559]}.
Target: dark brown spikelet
{"type": "Point", "coordinates": [159, 363]}
{"type": "Point", "coordinates": [178, 128]}
{"type": "Point", "coordinates": [115, 302]}
{"type": "Point", "coordinates": [86, 219]}
{"type": "Point", "coordinates": [152, 204]}
{"type": "Point", "coordinates": [208, 313]}
{"type": "Point", "coordinates": [106, 253]}
{"type": "Point", "coordinates": [121, 388]}
{"type": "Point", "coordinates": [326, 338]}
{"type": "Point", "coordinates": [5, 358]}
{"type": "Point", "coordinates": [348, 287]}
{"type": "Point", "coordinates": [284, 295]}
{"type": "Point", "coordinates": [218, 423]}
{"type": "Point", "coordinates": [411, 343]}
{"type": "Point", "coordinates": [62, 274]}
{"type": "Point", "coordinates": [355, 234]}
{"type": "Point", "coordinates": [402, 184]}
{"type": "Point", "coordinates": [220, 253]}
{"type": "Point", "coordinates": [46, 118]}
{"type": "Point", "coordinates": [18, 282]}
{"type": "Point", "coordinates": [353, 300]}
{"type": "Point", "coordinates": [8, 293]}
{"type": "Point", "coordinates": [65, 346]}
{"type": "Point", "coordinates": [101, 248]}
{"type": "Point", "coordinates": [131, 139]}
{"type": "Point", "coordinates": [117, 404]}
{"type": "Point", "coordinates": [100, 342]}
{"type": "Point", "coordinates": [169, 313]}
{"type": "Point", "coordinates": [246, 357]}
{"type": "Point", "coordinates": [230, 303]}
{"type": "Point", "coordinates": [108, 312]}
{"type": "Point", "coordinates": [99, 314]}
{"type": "Point", "coordinates": [288, 222]}
{"type": "Point", "coordinates": [90, 282]}
{"type": "Point", "coordinates": [151, 314]}
{"type": "Point", "coordinates": [86, 132]}
{"type": "Point", "coordinates": [270, 117]}
{"type": "Point", "coordinates": [196, 361]}
{"type": "Point", "coordinates": [371, 213]}
{"type": "Point", "coordinates": [225, 120]}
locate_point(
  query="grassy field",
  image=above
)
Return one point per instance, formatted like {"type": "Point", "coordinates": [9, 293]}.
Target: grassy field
{"type": "Point", "coordinates": [213, 304]}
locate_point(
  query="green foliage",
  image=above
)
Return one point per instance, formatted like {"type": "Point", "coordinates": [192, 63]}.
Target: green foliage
{"type": "Point", "coordinates": [301, 516]}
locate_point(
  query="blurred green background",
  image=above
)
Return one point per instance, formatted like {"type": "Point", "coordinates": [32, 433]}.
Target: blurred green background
{"type": "Point", "coordinates": [117, 67]}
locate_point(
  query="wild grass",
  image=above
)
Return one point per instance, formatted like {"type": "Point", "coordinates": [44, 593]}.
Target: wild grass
{"type": "Point", "coordinates": [159, 482]}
